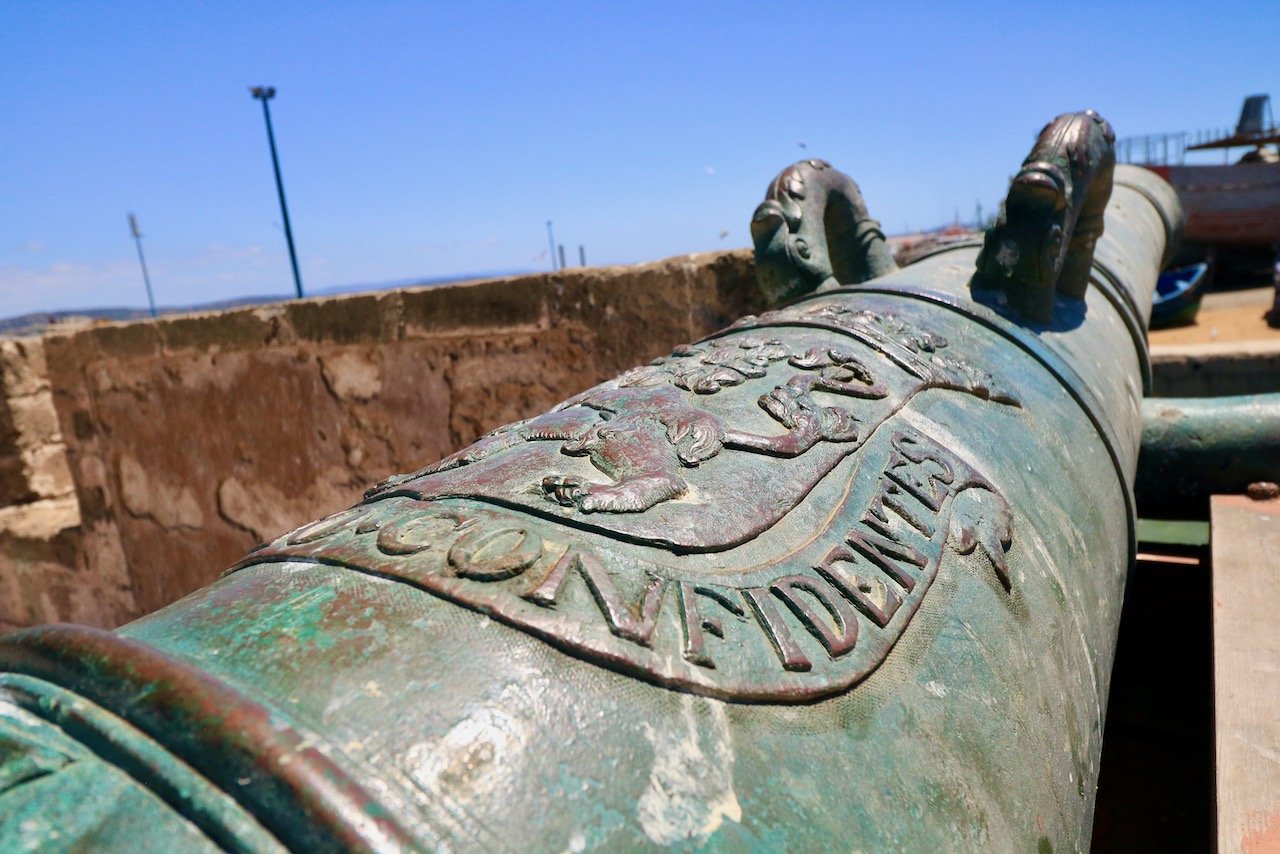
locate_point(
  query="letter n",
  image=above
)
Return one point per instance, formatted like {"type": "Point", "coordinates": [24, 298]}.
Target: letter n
{"type": "Point", "coordinates": [623, 621]}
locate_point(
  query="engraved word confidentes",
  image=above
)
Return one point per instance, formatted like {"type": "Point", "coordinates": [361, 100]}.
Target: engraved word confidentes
{"type": "Point", "coordinates": [812, 623]}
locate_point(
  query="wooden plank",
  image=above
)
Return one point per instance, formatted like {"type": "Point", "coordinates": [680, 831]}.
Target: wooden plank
{"type": "Point", "coordinates": [1246, 664]}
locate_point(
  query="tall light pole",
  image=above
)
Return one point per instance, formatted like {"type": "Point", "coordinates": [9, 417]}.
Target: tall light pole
{"type": "Point", "coordinates": [146, 280]}
{"type": "Point", "coordinates": [264, 94]}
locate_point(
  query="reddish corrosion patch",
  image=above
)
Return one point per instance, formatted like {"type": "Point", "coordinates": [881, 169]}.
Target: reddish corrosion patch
{"type": "Point", "coordinates": [1265, 840]}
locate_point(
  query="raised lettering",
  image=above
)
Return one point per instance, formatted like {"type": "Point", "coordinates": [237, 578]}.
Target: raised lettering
{"type": "Point", "coordinates": [494, 554]}
{"type": "Point", "coordinates": [623, 621]}
{"type": "Point", "coordinates": [695, 623]}
{"type": "Point", "coordinates": [871, 595]}
{"type": "Point", "coordinates": [931, 487]}
{"type": "Point", "coordinates": [775, 628]}
{"type": "Point", "coordinates": [890, 495]}
{"type": "Point", "coordinates": [327, 526]}
{"type": "Point", "coordinates": [887, 553]}
{"type": "Point", "coordinates": [636, 626]}
{"type": "Point", "coordinates": [418, 533]}
{"type": "Point", "coordinates": [839, 639]}
{"type": "Point", "coordinates": [548, 590]}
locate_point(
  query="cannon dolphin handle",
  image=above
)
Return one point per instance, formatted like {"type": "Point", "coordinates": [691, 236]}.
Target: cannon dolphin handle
{"type": "Point", "coordinates": [812, 231]}
{"type": "Point", "coordinates": [1043, 241]}
{"type": "Point", "coordinates": [843, 575]}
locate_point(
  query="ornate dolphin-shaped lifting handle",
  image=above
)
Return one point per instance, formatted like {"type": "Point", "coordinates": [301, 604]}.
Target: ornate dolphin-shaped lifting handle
{"type": "Point", "coordinates": [1042, 243]}
{"type": "Point", "coordinates": [813, 232]}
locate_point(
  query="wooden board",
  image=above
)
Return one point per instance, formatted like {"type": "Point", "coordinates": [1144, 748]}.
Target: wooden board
{"type": "Point", "coordinates": [1246, 664]}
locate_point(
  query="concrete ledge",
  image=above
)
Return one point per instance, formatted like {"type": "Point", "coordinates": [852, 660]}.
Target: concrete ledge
{"type": "Point", "coordinates": [1211, 370]}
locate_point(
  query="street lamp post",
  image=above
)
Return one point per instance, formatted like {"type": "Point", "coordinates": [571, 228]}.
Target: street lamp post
{"type": "Point", "coordinates": [146, 279]}
{"type": "Point", "coordinates": [265, 94]}
{"type": "Point", "coordinates": [551, 241]}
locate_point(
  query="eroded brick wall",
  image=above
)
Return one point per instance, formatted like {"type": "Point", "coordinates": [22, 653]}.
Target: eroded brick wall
{"type": "Point", "coordinates": [190, 439]}
{"type": "Point", "coordinates": [44, 573]}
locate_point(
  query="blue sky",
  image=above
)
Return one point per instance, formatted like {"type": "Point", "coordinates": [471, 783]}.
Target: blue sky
{"type": "Point", "coordinates": [429, 139]}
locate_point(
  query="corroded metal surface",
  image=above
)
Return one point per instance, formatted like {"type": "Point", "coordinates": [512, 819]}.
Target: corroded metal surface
{"type": "Point", "coordinates": [813, 232]}
{"type": "Point", "coordinates": [1044, 239]}
{"type": "Point", "coordinates": [1193, 448]}
{"type": "Point", "coordinates": [708, 521]}
{"type": "Point", "coordinates": [268, 765]}
{"type": "Point", "coordinates": [845, 574]}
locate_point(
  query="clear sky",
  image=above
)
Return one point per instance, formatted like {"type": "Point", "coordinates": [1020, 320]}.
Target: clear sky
{"type": "Point", "coordinates": [427, 139]}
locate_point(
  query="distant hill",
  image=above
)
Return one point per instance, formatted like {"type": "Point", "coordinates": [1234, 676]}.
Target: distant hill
{"type": "Point", "coordinates": [36, 322]}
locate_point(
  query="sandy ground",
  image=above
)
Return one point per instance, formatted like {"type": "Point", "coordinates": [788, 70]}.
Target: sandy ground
{"type": "Point", "coordinates": [1225, 316]}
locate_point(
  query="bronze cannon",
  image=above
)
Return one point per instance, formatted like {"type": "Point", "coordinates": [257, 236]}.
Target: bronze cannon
{"type": "Point", "coordinates": [845, 574]}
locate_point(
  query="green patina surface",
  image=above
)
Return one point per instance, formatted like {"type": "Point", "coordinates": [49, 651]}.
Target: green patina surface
{"type": "Point", "coordinates": [75, 777]}
{"type": "Point", "coordinates": [845, 575]}
{"type": "Point", "coordinates": [1196, 447]}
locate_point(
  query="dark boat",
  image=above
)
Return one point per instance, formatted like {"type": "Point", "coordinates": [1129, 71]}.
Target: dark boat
{"type": "Point", "coordinates": [1178, 295]}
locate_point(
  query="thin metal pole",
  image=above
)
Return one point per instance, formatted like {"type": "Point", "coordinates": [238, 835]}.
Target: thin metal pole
{"type": "Point", "coordinates": [264, 96]}
{"type": "Point", "coordinates": [561, 256]}
{"type": "Point", "coordinates": [582, 255]}
{"type": "Point", "coordinates": [551, 241]}
{"type": "Point", "coordinates": [146, 279]}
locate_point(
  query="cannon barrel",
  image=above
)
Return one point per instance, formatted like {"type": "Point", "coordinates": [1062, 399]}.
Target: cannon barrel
{"type": "Point", "coordinates": [1193, 448]}
{"type": "Point", "coordinates": [845, 574]}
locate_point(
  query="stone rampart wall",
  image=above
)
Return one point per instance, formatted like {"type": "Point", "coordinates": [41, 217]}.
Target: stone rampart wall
{"type": "Point", "coordinates": [167, 448]}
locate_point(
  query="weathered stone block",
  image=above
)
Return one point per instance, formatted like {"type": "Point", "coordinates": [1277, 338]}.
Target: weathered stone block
{"type": "Point", "coordinates": [120, 340]}
{"type": "Point", "coordinates": [493, 304]}
{"type": "Point", "coordinates": [723, 289]}
{"type": "Point", "coordinates": [194, 437]}
{"type": "Point", "coordinates": [22, 366]}
{"type": "Point", "coordinates": [352, 375]}
{"type": "Point", "coordinates": [219, 331]}
{"type": "Point", "coordinates": [34, 420]}
{"type": "Point", "coordinates": [44, 576]}
{"type": "Point", "coordinates": [40, 520]}
{"type": "Point", "coordinates": [362, 318]}
{"type": "Point", "coordinates": [407, 425]}
{"type": "Point", "coordinates": [495, 382]}
{"type": "Point", "coordinates": [170, 505]}
{"type": "Point", "coordinates": [47, 472]}
{"type": "Point", "coordinates": [15, 487]}
{"type": "Point", "coordinates": [630, 314]}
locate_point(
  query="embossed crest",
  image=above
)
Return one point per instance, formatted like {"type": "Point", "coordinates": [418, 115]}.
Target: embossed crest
{"type": "Point", "coordinates": [691, 467]}
{"type": "Point", "coordinates": [745, 518]}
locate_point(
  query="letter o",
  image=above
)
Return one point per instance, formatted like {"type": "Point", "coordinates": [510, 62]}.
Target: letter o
{"type": "Point", "coordinates": [495, 554]}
